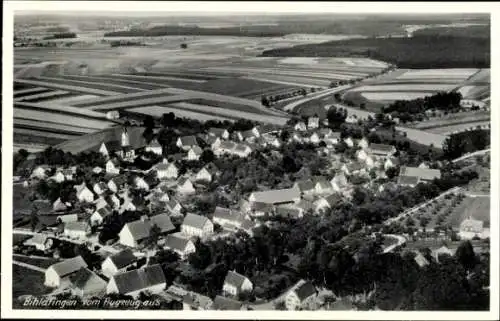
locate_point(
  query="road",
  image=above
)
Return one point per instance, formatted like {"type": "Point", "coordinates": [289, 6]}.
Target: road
{"type": "Point", "coordinates": [29, 266]}
{"type": "Point", "coordinates": [291, 106]}
{"type": "Point", "coordinates": [476, 153]}
{"type": "Point", "coordinates": [401, 240]}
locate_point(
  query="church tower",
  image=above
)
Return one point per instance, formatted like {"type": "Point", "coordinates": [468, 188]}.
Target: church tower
{"type": "Point", "coordinates": [125, 138]}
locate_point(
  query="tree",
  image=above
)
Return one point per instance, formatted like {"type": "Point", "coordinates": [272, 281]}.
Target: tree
{"type": "Point", "coordinates": [34, 219]}
{"type": "Point", "coordinates": [168, 120]}
{"type": "Point", "coordinates": [465, 255]}
{"type": "Point", "coordinates": [285, 135]}
{"type": "Point", "coordinates": [184, 46]}
{"type": "Point", "coordinates": [264, 101]}
{"type": "Point", "coordinates": [207, 156]}
{"type": "Point", "coordinates": [149, 122]}
{"type": "Point", "coordinates": [362, 106]}
{"type": "Point", "coordinates": [148, 134]}
{"type": "Point", "coordinates": [154, 235]}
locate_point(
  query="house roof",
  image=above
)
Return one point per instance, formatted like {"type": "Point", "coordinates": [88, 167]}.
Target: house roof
{"type": "Point", "coordinates": [471, 223]}
{"type": "Point", "coordinates": [305, 185]}
{"type": "Point", "coordinates": [235, 279]}
{"type": "Point", "coordinates": [408, 180]}
{"type": "Point", "coordinates": [259, 206]}
{"type": "Point", "coordinates": [140, 229]}
{"type": "Point", "coordinates": [194, 220]}
{"type": "Point", "coordinates": [333, 199]}
{"type": "Point", "coordinates": [211, 139]}
{"type": "Point", "coordinates": [247, 134]}
{"type": "Point", "coordinates": [183, 180]}
{"type": "Point", "coordinates": [227, 214]}
{"type": "Point", "coordinates": [119, 180]}
{"type": "Point", "coordinates": [196, 300]}
{"type": "Point", "coordinates": [164, 166]}
{"type": "Point", "coordinates": [37, 239]}
{"type": "Point", "coordinates": [217, 131]}
{"type": "Point", "coordinates": [355, 166]}
{"type": "Point", "coordinates": [305, 290]}
{"type": "Point", "coordinates": [123, 258]}
{"type": "Point", "coordinates": [381, 148]}
{"type": "Point", "coordinates": [197, 150]}
{"type": "Point", "coordinates": [305, 205]}
{"type": "Point", "coordinates": [68, 266]}
{"type": "Point", "coordinates": [114, 161]}
{"type": "Point", "coordinates": [105, 211]}
{"type": "Point", "coordinates": [222, 303]}
{"type": "Point", "coordinates": [339, 180]}
{"type": "Point", "coordinates": [86, 280]}
{"type": "Point", "coordinates": [277, 195]}
{"type": "Point", "coordinates": [176, 242]}
{"type": "Point", "coordinates": [322, 181]}
{"type": "Point", "coordinates": [76, 226]}
{"type": "Point", "coordinates": [101, 185]}
{"type": "Point", "coordinates": [188, 140]}
{"type": "Point", "coordinates": [139, 279]}
{"type": "Point", "coordinates": [241, 147]}
{"type": "Point", "coordinates": [154, 143]}
{"type": "Point", "coordinates": [68, 218]}
{"type": "Point", "coordinates": [227, 145]}
{"type": "Point", "coordinates": [423, 173]}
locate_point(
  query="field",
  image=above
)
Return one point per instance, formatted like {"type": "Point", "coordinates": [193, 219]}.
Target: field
{"type": "Point", "coordinates": [475, 207]}
{"type": "Point", "coordinates": [26, 282]}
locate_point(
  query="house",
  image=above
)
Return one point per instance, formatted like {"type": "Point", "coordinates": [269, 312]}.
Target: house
{"type": "Point", "coordinates": [58, 274]}
{"type": "Point", "coordinates": [149, 278]}
{"type": "Point", "coordinates": [100, 187]}
{"type": "Point", "coordinates": [118, 263]}
{"type": "Point", "coordinates": [424, 174]}
{"type": "Point", "coordinates": [349, 142]}
{"type": "Point", "coordinates": [154, 147]}
{"type": "Point", "coordinates": [59, 206]}
{"type": "Point", "coordinates": [213, 142]}
{"type": "Point", "coordinates": [227, 218]}
{"type": "Point", "coordinates": [68, 174]}
{"type": "Point", "coordinates": [58, 177]}
{"type": "Point", "coordinates": [235, 283]}
{"type": "Point", "coordinates": [339, 182]}
{"type": "Point", "coordinates": [40, 172]}
{"type": "Point", "coordinates": [248, 135]}
{"type": "Point", "coordinates": [314, 138]}
{"type": "Point", "coordinates": [225, 147]}
{"type": "Point", "coordinates": [194, 153]}
{"type": "Point", "coordinates": [306, 187]}
{"type": "Point", "coordinates": [410, 181]}
{"type": "Point", "coordinates": [300, 126]}
{"type": "Point", "coordinates": [196, 225]}
{"type": "Point", "coordinates": [332, 138]}
{"type": "Point", "coordinates": [184, 186]}
{"type": "Point", "coordinates": [300, 296]}
{"type": "Point", "coordinates": [391, 162]}
{"type": "Point", "coordinates": [298, 137]}
{"type": "Point", "coordinates": [226, 304]}
{"type": "Point", "coordinates": [241, 150]}
{"type": "Point", "coordinates": [276, 197]}
{"type": "Point", "coordinates": [113, 166]}
{"type": "Point", "coordinates": [174, 207]}
{"type": "Point", "coordinates": [97, 170]}
{"type": "Point", "coordinates": [166, 170]}
{"type": "Point", "coordinates": [305, 206]}
{"type": "Point", "coordinates": [313, 122]}
{"type": "Point", "coordinates": [420, 259]}
{"type": "Point", "coordinates": [203, 175]}
{"type": "Point", "coordinates": [86, 283]}
{"type": "Point", "coordinates": [186, 142]}
{"type": "Point", "coordinates": [76, 230]}
{"type": "Point", "coordinates": [470, 227]}
{"type": "Point", "coordinates": [363, 143]}
{"type": "Point", "coordinates": [351, 119]}
{"type": "Point", "coordinates": [259, 209]}
{"type": "Point", "coordinates": [218, 132]}
{"type": "Point", "coordinates": [353, 168]}
{"type": "Point", "coordinates": [41, 242]}
{"type": "Point", "coordinates": [110, 201]}
{"type": "Point", "coordinates": [443, 250]}
{"type": "Point", "coordinates": [83, 194]}
{"type": "Point", "coordinates": [180, 245]}
{"type": "Point", "coordinates": [117, 183]}
{"type": "Point", "coordinates": [196, 301]}
{"type": "Point", "coordinates": [99, 215]}
{"type": "Point", "coordinates": [67, 218]}
{"type": "Point", "coordinates": [103, 149]}
{"type": "Point", "coordinates": [327, 202]}
{"type": "Point", "coordinates": [140, 183]}
{"type": "Point", "coordinates": [382, 150]}
{"type": "Point", "coordinates": [322, 186]}
{"type": "Point", "coordinates": [134, 233]}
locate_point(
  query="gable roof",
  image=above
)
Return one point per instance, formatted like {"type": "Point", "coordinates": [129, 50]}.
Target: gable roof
{"type": "Point", "coordinates": [227, 145]}
{"type": "Point", "coordinates": [105, 211]}
{"type": "Point", "coordinates": [277, 195]}
{"type": "Point", "coordinates": [218, 132]}
{"type": "Point", "coordinates": [333, 199]}
{"type": "Point", "coordinates": [381, 148]}
{"type": "Point", "coordinates": [68, 266]}
{"type": "Point", "coordinates": [305, 185]}
{"type": "Point", "coordinates": [183, 180]}
{"type": "Point", "coordinates": [235, 279]}
{"type": "Point", "coordinates": [196, 150]}
{"type": "Point", "coordinates": [408, 180]}
{"type": "Point", "coordinates": [123, 258]}
{"type": "Point", "coordinates": [226, 214]}
{"type": "Point", "coordinates": [139, 279]}
{"type": "Point", "coordinates": [194, 220]}
{"type": "Point", "coordinates": [154, 143]}
{"type": "Point", "coordinates": [85, 279]}
{"type": "Point", "coordinates": [176, 242]}
{"type": "Point", "coordinates": [222, 303]}
{"type": "Point", "coordinates": [322, 182]}
{"type": "Point", "coordinates": [76, 226]}
{"type": "Point", "coordinates": [305, 290]}
{"type": "Point", "coordinates": [140, 229]}
{"type": "Point", "coordinates": [37, 239]}
{"type": "Point", "coordinates": [423, 173]}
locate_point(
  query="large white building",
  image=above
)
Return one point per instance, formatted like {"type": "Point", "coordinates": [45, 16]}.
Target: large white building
{"type": "Point", "coordinates": [196, 225]}
{"type": "Point", "coordinates": [58, 274]}
{"type": "Point", "coordinates": [235, 283]}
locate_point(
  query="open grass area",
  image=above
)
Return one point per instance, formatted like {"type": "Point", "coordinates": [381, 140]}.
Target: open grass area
{"type": "Point", "coordinates": [26, 282]}
{"type": "Point", "coordinates": [42, 263]}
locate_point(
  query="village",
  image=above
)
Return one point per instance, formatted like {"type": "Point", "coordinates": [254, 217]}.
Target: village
{"type": "Point", "coordinates": [127, 216]}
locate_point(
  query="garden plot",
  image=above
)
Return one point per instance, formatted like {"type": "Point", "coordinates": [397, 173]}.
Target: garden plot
{"type": "Point", "coordinates": [474, 92]}
{"type": "Point", "coordinates": [453, 119]}
{"type": "Point", "coordinates": [475, 207]}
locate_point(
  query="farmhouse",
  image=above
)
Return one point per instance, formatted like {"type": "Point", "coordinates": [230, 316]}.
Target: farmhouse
{"type": "Point", "coordinates": [424, 174]}
{"type": "Point", "coordinates": [99, 215]}
{"type": "Point", "coordinates": [180, 245]}
{"type": "Point", "coordinates": [58, 274]}
{"type": "Point", "coordinates": [76, 230]}
{"type": "Point", "coordinates": [41, 242]}
{"type": "Point", "coordinates": [118, 263]}
{"type": "Point", "coordinates": [67, 218]}
{"type": "Point", "coordinates": [194, 153]}
{"type": "Point", "coordinates": [196, 301]}
{"type": "Point", "coordinates": [351, 119]}
{"type": "Point", "coordinates": [204, 175]}
{"type": "Point", "coordinates": [327, 202]}
{"type": "Point", "coordinates": [196, 225]}
{"type": "Point", "coordinates": [235, 283]}
{"type": "Point", "coordinates": [391, 162]}
{"type": "Point", "coordinates": [313, 122]}
{"type": "Point", "coordinates": [227, 218]}
{"type": "Point", "coordinates": [222, 303]}
{"type": "Point", "coordinates": [165, 170]}
{"type": "Point", "coordinates": [154, 147]}
{"type": "Point", "coordinates": [97, 170]}
{"type": "Point", "coordinates": [470, 227]}
{"type": "Point", "coordinates": [68, 174]}
{"type": "Point", "coordinates": [349, 142]}
{"type": "Point", "coordinates": [218, 132]}
{"type": "Point", "coordinates": [107, 201]}
{"type": "Point", "coordinates": [59, 206]}
{"type": "Point", "coordinates": [58, 177]}
{"type": "Point", "coordinates": [443, 250]}
{"type": "Point", "coordinates": [100, 187]}
{"type": "Point", "coordinates": [306, 187]}
{"type": "Point", "coordinates": [223, 148]}
{"type": "Point", "coordinates": [242, 150]}
{"type": "Point", "coordinates": [149, 278]}
{"type": "Point", "coordinates": [212, 141]}
{"type": "Point", "coordinates": [314, 138]}
{"type": "Point", "coordinates": [322, 185]}
{"type": "Point", "coordinates": [133, 233]}
{"type": "Point", "coordinates": [289, 211]}
{"type": "Point", "coordinates": [113, 166]}
{"type": "Point", "coordinates": [332, 138]}
{"type": "Point", "coordinates": [104, 150]}
{"type": "Point", "coordinates": [83, 194]}
{"type": "Point", "coordinates": [117, 183]}
{"type": "Point", "coordinates": [186, 142]}
{"type": "Point", "coordinates": [301, 295]}
{"type": "Point", "coordinates": [353, 168]}
{"type": "Point", "coordinates": [382, 150]}
{"type": "Point", "coordinates": [260, 209]}
{"type": "Point", "coordinates": [85, 283]}
{"type": "Point", "coordinates": [276, 197]}
{"type": "Point", "coordinates": [363, 143]}
{"type": "Point", "coordinates": [174, 207]}
{"type": "Point", "coordinates": [339, 182]}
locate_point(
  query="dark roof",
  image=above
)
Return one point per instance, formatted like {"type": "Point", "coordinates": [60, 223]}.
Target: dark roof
{"type": "Point", "coordinates": [183, 180]}
{"type": "Point", "coordinates": [235, 279]}
{"type": "Point", "coordinates": [305, 290]}
{"type": "Point", "coordinates": [140, 229]}
{"type": "Point", "coordinates": [227, 214]}
{"type": "Point", "coordinates": [176, 243]}
{"type": "Point", "coordinates": [222, 303]}
{"type": "Point", "coordinates": [305, 185]}
{"type": "Point", "coordinates": [217, 131]}
{"type": "Point", "coordinates": [333, 199]}
{"type": "Point", "coordinates": [69, 266]}
{"type": "Point", "coordinates": [84, 278]}
{"type": "Point", "coordinates": [139, 279]}
{"type": "Point", "coordinates": [123, 258]}
{"type": "Point", "coordinates": [188, 140]}
{"type": "Point", "coordinates": [381, 148]}
{"type": "Point", "coordinates": [104, 211]}
{"type": "Point", "coordinates": [195, 220]}
{"type": "Point", "coordinates": [423, 173]}
{"type": "Point", "coordinates": [259, 206]}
